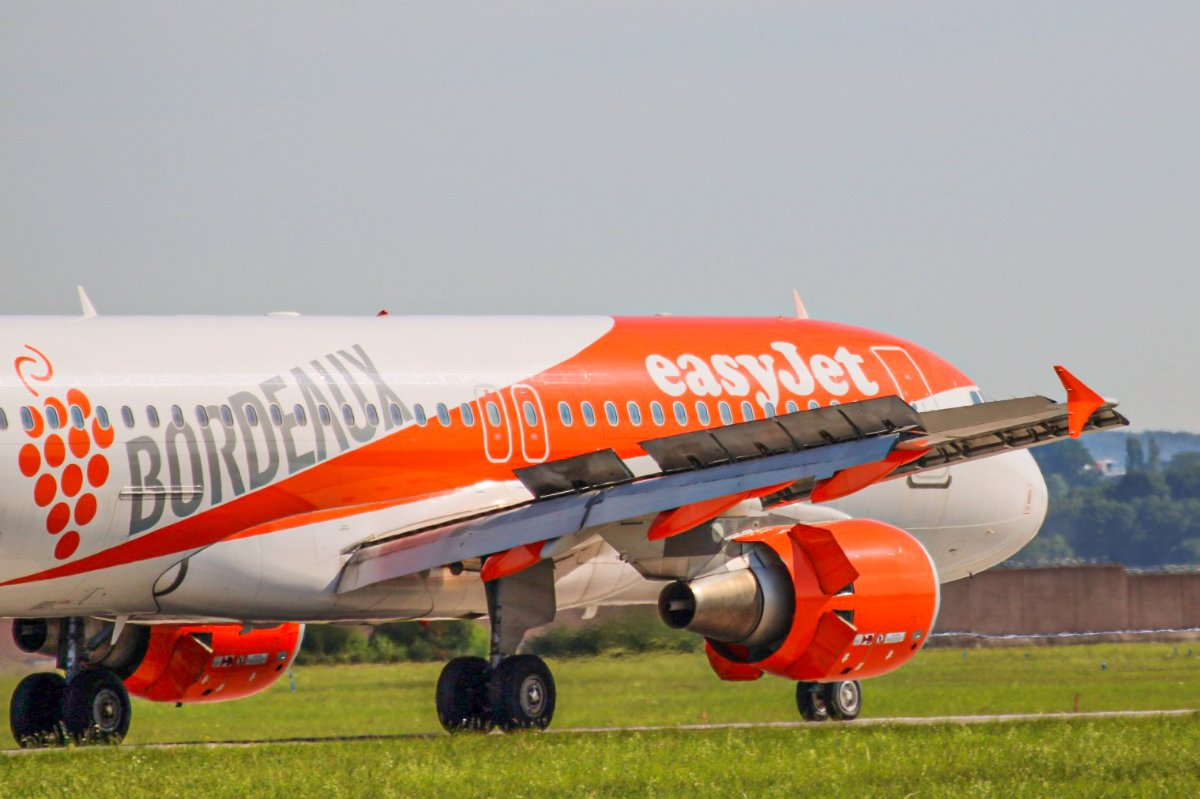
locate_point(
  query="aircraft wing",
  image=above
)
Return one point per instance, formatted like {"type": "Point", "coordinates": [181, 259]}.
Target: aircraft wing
{"type": "Point", "coordinates": [818, 454]}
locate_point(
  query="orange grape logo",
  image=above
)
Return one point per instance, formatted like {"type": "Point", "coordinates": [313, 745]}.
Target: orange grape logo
{"type": "Point", "coordinates": [64, 458]}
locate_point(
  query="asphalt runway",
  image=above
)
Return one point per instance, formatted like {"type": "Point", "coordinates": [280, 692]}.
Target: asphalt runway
{"type": "Point", "coordinates": [897, 721]}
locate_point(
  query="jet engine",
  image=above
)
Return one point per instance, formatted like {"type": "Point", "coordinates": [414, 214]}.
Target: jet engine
{"type": "Point", "coordinates": [177, 663]}
{"type": "Point", "coordinates": [843, 601]}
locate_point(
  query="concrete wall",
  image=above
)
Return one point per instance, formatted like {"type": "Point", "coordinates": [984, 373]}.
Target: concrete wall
{"type": "Point", "coordinates": [1069, 599]}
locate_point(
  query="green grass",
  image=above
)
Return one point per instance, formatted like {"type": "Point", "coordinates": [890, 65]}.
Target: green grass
{"type": "Point", "coordinates": [1094, 758]}
{"type": "Point", "coordinates": [1083, 757]}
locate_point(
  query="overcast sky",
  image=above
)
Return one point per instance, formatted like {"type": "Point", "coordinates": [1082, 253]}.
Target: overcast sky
{"type": "Point", "coordinates": [1012, 184]}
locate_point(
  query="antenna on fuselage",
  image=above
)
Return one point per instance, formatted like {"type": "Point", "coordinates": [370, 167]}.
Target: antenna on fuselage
{"type": "Point", "coordinates": [801, 311]}
{"type": "Point", "coordinates": [85, 304]}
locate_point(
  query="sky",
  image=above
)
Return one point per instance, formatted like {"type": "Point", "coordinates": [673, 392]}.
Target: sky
{"type": "Point", "coordinates": [1011, 184]}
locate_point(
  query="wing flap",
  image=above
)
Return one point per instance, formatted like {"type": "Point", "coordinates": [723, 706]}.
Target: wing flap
{"type": "Point", "coordinates": [387, 559]}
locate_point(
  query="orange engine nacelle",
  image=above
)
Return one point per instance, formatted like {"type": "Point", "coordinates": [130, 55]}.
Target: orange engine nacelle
{"type": "Point", "coordinates": [843, 601]}
{"type": "Point", "coordinates": [212, 663]}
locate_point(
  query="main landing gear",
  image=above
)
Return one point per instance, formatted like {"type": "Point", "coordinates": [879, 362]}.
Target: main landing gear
{"type": "Point", "coordinates": [841, 701]}
{"type": "Point", "coordinates": [516, 695]}
{"type": "Point", "coordinates": [91, 705]}
{"type": "Point", "coordinates": [509, 691]}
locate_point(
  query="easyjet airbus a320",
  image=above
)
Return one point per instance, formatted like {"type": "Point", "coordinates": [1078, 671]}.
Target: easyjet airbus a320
{"type": "Point", "coordinates": [179, 496]}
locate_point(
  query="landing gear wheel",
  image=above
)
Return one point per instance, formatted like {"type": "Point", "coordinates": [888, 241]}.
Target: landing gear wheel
{"type": "Point", "coordinates": [36, 711]}
{"type": "Point", "coordinates": [462, 695]}
{"type": "Point", "coordinates": [811, 702]}
{"type": "Point", "coordinates": [96, 707]}
{"type": "Point", "coordinates": [522, 694]}
{"type": "Point", "coordinates": [844, 699]}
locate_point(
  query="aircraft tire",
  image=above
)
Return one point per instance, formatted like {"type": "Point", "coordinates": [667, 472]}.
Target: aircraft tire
{"type": "Point", "coordinates": [811, 702]}
{"type": "Point", "coordinates": [522, 694]}
{"type": "Point", "coordinates": [96, 707]}
{"type": "Point", "coordinates": [462, 695]}
{"type": "Point", "coordinates": [36, 710]}
{"type": "Point", "coordinates": [844, 699]}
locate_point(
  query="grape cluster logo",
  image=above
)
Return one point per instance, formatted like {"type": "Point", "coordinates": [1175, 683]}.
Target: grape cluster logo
{"type": "Point", "coordinates": [64, 457]}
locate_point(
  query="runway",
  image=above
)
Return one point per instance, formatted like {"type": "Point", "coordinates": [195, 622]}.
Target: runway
{"type": "Point", "coordinates": [894, 721]}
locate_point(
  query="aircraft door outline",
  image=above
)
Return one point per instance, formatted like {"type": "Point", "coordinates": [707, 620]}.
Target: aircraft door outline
{"type": "Point", "coordinates": [535, 437]}
{"type": "Point", "coordinates": [909, 381]}
{"type": "Point", "coordinates": [497, 433]}
{"type": "Point", "coordinates": [904, 371]}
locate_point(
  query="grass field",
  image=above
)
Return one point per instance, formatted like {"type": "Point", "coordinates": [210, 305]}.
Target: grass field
{"type": "Point", "coordinates": [1116, 757]}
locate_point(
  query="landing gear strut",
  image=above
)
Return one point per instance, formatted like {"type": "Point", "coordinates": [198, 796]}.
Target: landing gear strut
{"type": "Point", "coordinates": [509, 691]}
{"type": "Point", "coordinates": [841, 701]}
{"type": "Point", "coordinates": [90, 706]}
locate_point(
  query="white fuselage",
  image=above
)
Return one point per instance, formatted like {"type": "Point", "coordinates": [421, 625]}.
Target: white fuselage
{"type": "Point", "coordinates": [225, 468]}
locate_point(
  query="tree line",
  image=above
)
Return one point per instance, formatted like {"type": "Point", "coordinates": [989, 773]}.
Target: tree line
{"type": "Point", "coordinates": [1148, 517]}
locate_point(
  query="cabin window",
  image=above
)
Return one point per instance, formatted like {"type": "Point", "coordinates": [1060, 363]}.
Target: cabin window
{"type": "Point", "coordinates": [26, 418]}
{"type": "Point", "coordinates": [251, 414]}
{"type": "Point", "coordinates": [202, 416]}
{"type": "Point", "coordinates": [324, 415]}
{"type": "Point", "coordinates": [347, 414]}
{"type": "Point", "coordinates": [656, 413]}
{"type": "Point", "coordinates": [747, 412]}
{"type": "Point", "coordinates": [768, 410]}
{"type": "Point", "coordinates": [3, 420]}
{"type": "Point", "coordinates": [564, 414]}
{"type": "Point", "coordinates": [835, 402]}
{"type": "Point", "coordinates": [702, 413]}
{"type": "Point", "coordinates": [102, 417]}
{"type": "Point", "coordinates": [443, 414]}
{"type": "Point", "coordinates": [419, 414]}
{"type": "Point", "coordinates": [493, 413]}
{"type": "Point", "coordinates": [152, 415]}
{"type": "Point", "coordinates": [530, 413]}
{"type": "Point", "coordinates": [792, 407]}
{"type": "Point", "coordinates": [680, 413]}
{"type": "Point", "coordinates": [276, 414]}
{"type": "Point", "coordinates": [468, 414]}
{"type": "Point", "coordinates": [127, 415]}
{"type": "Point", "coordinates": [610, 413]}
{"type": "Point", "coordinates": [813, 405]}
{"type": "Point", "coordinates": [725, 411]}
{"type": "Point", "coordinates": [52, 418]}
{"type": "Point", "coordinates": [372, 414]}
{"type": "Point", "coordinates": [394, 412]}
{"type": "Point", "coordinates": [589, 413]}
{"type": "Point", "coordinates": [227, 415]}
{"type": "Point", "coordinates": [301, 416]}
{"type": "Point", "coordinates": [635, 413]}
{"type": "Point", "coordinates": [76, 417]}
{"type": "Point", "coordinates": [177, 415]}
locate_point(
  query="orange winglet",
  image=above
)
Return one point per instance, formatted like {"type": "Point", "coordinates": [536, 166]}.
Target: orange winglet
{"type": "Point", "coordinates": [681, 519]}
{"type": "Point", "coordinates": [511, 561]}
{"type": "Point", "coordinates": [1082, 402]}
{"type": "Point", "coordinates": [856, 478]}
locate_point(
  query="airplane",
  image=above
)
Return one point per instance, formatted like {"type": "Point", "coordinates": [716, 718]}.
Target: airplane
{"type": "Point", "coordinates": [181, 495]}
